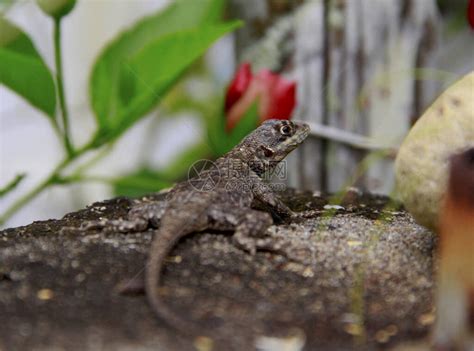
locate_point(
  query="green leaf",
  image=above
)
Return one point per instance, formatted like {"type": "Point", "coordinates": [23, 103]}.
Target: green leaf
{"type": "Point", "coordinates": [141, 182]}
{"type": "Point", "coordinates": [247, 123]}
{"type": "Point", "coordinates": [23, 70]}
{"type": "Point", "coordinates": [221, 141]}
{"type": "Point", "coordinates": [110, 86]}
{"type": "Point", "coordinates": [216, 133]}
{"type": "Point", "coordinates": [158, 67]}
{"type": "Point", "coordinates": [154, 71]}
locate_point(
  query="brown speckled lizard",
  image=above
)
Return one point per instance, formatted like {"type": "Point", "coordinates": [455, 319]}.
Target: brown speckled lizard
{"type": "Point", "coordinates": [223, 197]}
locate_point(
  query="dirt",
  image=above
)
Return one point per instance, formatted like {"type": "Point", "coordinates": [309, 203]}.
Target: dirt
{"type": "Point", "coordinates": [359, 277]}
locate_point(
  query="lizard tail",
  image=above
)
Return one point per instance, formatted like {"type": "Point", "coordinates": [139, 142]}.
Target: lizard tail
{"type": "Point", "coordinates": [160, 248]}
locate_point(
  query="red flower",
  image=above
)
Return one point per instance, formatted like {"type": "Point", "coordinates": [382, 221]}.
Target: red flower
{"type": "Point", "coordinates": [275, 96]}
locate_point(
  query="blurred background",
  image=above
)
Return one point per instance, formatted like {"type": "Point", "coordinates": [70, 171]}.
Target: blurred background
{"type": "Point", "coordinates": [364, 71]}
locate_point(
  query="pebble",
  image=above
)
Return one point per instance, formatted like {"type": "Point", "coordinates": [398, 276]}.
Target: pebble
{"type": "Point", "coordinates": [333, 207]}
{"type": "Point", "coordinates": [45, 294]}
{"type": "Point", "coordinates": [203, 343]}
{"type": "Point", "coordinates": [426, 319]}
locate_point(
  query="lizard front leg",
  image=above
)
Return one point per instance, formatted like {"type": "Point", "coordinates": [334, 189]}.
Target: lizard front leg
{"type": "Point", "coordinates": [266, 198]}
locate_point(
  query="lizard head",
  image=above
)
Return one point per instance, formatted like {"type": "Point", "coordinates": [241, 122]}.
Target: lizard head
{"type": "Point", "coordinates": [270, 143]}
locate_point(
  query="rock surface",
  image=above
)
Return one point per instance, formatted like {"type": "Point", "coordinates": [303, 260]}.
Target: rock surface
{"type": "Point", "coordinates": [360, 277]}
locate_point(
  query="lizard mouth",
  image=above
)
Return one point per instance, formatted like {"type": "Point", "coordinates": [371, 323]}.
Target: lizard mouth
{"type": "Point", "coordinates": [301, 134]}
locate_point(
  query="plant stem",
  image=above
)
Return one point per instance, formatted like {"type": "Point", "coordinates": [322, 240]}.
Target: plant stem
{"type": "Point", "coordinates": [72, 154]}
{"type": "Point", "coordinates": [60, 85]}
{"type": "Point", "coordinates": [56, 128]}
{"type": "Point", "coordinates": [12, 184]}
{"type": "Point", "coordinates": [53, 178]}
{"type": "Point", "coordinates": [100, 154]}
{"type": "Point", "coordinates": [22, 201]}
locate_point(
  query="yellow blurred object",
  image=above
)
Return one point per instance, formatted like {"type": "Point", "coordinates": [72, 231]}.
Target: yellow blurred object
{"type": "Point", "coordinates": [421, 167]}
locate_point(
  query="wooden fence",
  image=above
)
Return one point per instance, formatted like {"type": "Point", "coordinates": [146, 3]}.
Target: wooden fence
{"type": "Point", "coordinates": [363, 73]}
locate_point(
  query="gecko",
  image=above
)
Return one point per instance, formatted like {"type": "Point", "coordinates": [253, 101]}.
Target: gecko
{"type": "Point", "coordinates": [228, 196]}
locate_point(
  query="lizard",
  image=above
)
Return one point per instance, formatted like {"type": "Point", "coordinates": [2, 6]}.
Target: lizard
{"type": "Point", "coordinates": [223, 197]}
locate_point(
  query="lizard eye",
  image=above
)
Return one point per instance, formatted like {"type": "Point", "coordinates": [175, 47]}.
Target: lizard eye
{"type": "Point", "coordinates": [285, 129]}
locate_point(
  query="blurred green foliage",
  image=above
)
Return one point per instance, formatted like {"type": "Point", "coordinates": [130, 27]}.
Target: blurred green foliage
{"type": "Point", "coordinates": [143, 80]}
{"type": "Point", "coordinates": [132, 74]}
{"type": "Point", "coordinates": [135, 71]}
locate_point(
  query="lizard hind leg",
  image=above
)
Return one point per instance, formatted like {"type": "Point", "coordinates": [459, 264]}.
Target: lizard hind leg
{"type": "Point", "coordinates": [251, 235]}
